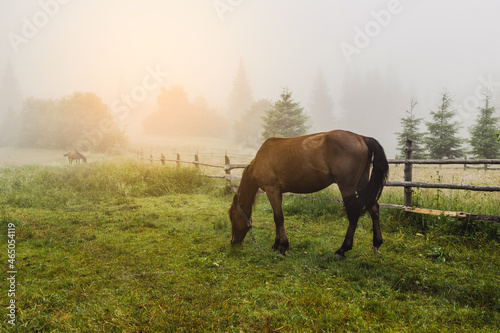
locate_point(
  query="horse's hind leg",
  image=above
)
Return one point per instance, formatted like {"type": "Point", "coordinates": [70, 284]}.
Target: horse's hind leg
{"type": "Point", "coordinates": [374, 211]}
{"type": "Point", "coordinates": [377, 233]}
{"type": "Point", "coordinates": [281, 241]}
{"type": "Point", "coordinates": [353, 209]}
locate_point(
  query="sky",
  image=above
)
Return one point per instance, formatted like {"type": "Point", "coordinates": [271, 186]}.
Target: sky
{"type": "Point", "coordinates": [132, 48]}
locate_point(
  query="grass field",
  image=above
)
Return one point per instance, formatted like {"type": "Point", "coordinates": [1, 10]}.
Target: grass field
{"type": "Point", "coordinates": [122, 246]}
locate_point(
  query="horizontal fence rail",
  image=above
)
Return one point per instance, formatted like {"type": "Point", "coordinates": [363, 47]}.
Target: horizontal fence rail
{"type": "Point", "coordinates": [445, 161]}
{"type": "Point", "coordinates": [444, 185]}
{"type": "Point", "coordinates": [407, 183]}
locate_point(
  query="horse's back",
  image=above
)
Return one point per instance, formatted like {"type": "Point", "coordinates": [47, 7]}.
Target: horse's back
{"type": "Point", "coordinates": [75, 155]}
{"type": "Point", "coordinates": [348, 145]}
{"type": "Point", "coordinates": [309, 163]}
{"type": "Point", "coordinates": [312, 147]}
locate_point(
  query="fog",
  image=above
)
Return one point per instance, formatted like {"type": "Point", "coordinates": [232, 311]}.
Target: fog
{"type": "Point", "coordinates": [403, 48]}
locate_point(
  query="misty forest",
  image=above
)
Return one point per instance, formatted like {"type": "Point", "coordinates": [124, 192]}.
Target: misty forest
{"type": "Point", "coordinates": [127, 127]}
{"type": "Point", "coordinates": [82, 121]}
{"type": "Point", "coordinates": [205, 81]}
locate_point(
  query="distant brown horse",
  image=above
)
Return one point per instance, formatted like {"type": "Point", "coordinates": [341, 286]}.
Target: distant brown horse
{"type": "Point", "coordinates": [75, 155]}
{"type": "Point", "coordinates": [308, 164]}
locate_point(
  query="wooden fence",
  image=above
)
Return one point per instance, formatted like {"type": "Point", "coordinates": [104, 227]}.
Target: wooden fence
{"type": "Point", "coordinates": [407, 183]}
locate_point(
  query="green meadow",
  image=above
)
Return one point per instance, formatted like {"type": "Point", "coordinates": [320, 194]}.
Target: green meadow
{"type": "Point", "coordinates": [125, 246]}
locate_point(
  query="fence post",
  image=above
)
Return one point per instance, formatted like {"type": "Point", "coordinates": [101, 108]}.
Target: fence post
{"type": "Point", "coordinates": [178, 160]}
{"type": "Point", "coordinates": [408, 172]}
{"type": "Point", "coordinates": [228, 172]}
{"type": "Point", "coordinates": [162, 159]}
{"type": "Point", "coordinates": [196, 159]}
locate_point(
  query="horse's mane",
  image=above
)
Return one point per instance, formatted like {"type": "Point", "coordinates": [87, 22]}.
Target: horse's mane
{"type": "Point", "coordinates": [248, 188]}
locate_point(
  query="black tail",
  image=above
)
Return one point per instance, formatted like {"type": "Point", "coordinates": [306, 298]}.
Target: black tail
{"type": "Point", "coordinates": [370, 194]}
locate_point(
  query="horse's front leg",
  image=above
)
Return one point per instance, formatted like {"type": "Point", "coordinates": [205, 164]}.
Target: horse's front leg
{"type": "Point", "coordinates": [281, 241]}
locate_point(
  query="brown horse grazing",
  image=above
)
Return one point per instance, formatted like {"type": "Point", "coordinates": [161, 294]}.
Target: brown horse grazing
{"type": "Point", "coordinates": [75, 155]}
{"type": "Point", "coordinates": [308, 164]}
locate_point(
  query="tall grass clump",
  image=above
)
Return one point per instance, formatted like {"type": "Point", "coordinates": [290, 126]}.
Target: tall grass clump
{"type": "Point", "coordinates": [55, 187]}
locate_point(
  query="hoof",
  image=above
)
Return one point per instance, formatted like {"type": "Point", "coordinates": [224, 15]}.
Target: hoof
{"type": "Point", "coordinates": [338, 256]}
{"type": "Point", "coordinates": [375, 250]}
{"type": "Point", "coordinates": [281, 247]}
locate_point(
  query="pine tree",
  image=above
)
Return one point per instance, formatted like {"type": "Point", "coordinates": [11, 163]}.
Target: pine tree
{"type": "Point", "coordinates": [321, 105]}
{"type": "Point", "coordinates": [240, 98]}
{"type": "Point", "coordinates": [483, 141]}
{"type": "Point", "coordinates": [410, 131]}
{"type": "Point", "coordinates": [285, 119]}
{"type": "Point", "coordinates": [441, 140]}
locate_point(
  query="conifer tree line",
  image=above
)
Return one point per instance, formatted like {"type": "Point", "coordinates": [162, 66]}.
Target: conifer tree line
{"type": "Point", "coordinates": [84, 117]}
{"type": "Point", "coordinates": [442, 140]}
{"type": "Point", "coordinates": [287, 118]}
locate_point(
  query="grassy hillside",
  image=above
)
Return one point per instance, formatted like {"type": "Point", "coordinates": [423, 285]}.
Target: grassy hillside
{"type": "Point", "coordinates": [127, 246]}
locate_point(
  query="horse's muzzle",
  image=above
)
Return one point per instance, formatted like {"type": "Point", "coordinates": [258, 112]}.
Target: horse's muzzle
{"type": "Point", "coordinates": [238, 238]}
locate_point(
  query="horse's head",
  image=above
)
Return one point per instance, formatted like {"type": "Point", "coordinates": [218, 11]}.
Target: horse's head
{"type": "Point", "coordinates": [239, 221]}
